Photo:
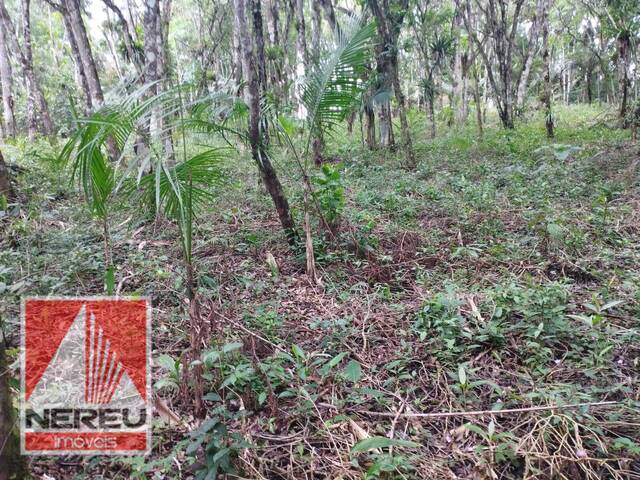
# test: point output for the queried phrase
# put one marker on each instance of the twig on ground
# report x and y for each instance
(480, 412)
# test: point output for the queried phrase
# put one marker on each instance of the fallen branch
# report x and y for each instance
(481, 412)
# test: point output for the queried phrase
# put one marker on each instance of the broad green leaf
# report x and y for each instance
(212, 397)
(166, 362)
(352, 372)
(381, 442)
(462, 375)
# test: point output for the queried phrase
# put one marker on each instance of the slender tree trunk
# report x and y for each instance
(132, 54)
(546, 60)
(5, 182)
(72, 8)
(316, 30)
(370, 117)
(237, 55)
(459, 82)
(12, 464)
(407, 143)
(162, 42)
(256, 15)
(6, 77)
(624, 45)
(80, 71)
(273, 20)
(276, 66)
(530, 54)
(151, 25)
(330, 14)
(302, 55)
(477, 98)
(386, 126)
(37, 109)
(258, 148)
(389, 18)
(432, 115)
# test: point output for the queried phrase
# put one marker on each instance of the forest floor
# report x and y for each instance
(500, 274)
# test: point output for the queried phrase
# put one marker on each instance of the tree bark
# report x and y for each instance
(6, 77)
(75, 52)
(477, 98)
(316, 30)
(389, 18)
(460, 81)
(5, 183)
(256, 15)
(129, 43)
(72, 9)
(12, 465)
(330, 14)
(501, 28)
(624, 46)
(38, 117)
(546, 60)
(432, 115)
(302, 55)
(530, 53)
(370, 117)
(258, 147)
(273, 23)
(237, 55)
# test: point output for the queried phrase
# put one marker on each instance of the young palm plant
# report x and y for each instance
(337, 80)
(152, 177)
(329, 93)
(147, 174)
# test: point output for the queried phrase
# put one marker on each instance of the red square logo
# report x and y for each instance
(85, 376)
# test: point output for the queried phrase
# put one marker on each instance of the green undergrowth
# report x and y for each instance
(501, 273)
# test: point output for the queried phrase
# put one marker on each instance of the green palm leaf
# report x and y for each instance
(330, 88)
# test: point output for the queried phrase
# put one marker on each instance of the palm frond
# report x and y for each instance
(330, 87)
(192, 178)
(125, 123)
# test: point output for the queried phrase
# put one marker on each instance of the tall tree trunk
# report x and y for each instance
(77, 59)
(546, 60)
(72, 9)
(389, 19)
(258, 147)
(624, 46)
(407, 143)
(501, 27)
(385, 124)
(460, 73)
(256, 15)
(588, 79)
(273, 22)
(370, 117)
(330, 14)
(129, 43)
(237, 55)
(43, 117)
(5, 182)
(162, 40)
(316, 30)
(151, 26)
(12, 464)
(6, 77)
(529, 55)
(477, 98)
(432, 115)
(302, 55)
(276, 65)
